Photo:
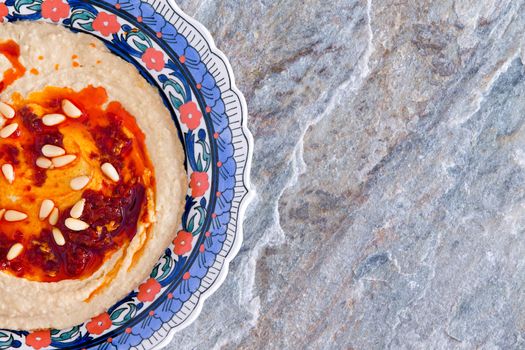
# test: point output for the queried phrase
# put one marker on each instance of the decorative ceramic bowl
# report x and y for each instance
(177, 55)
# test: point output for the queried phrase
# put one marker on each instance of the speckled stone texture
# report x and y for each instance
(389, 167)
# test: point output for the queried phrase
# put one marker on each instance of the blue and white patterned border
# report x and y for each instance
(219, 66)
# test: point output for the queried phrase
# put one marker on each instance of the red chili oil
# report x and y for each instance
(11, 51)
(113, 210)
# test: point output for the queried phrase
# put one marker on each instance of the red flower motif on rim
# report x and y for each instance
(199, 184)
(39, 339)
(4, 11)
(55, 10)
(106, 24)
(149, 290)
(182, 242)
(154, 59)
(99, 324)
(190, 115)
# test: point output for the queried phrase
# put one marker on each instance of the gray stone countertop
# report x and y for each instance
(389, 167)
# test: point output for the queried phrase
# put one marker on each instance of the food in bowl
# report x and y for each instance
(92, 177)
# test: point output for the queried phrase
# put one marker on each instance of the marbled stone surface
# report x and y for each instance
(389, 167)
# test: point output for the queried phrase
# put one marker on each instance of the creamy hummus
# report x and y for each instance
(58, 62)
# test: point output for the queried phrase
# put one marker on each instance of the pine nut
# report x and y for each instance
(53, 218)
(70, 109)
(61, 161)
(14, 215)
(15, 251)
(79, 182)
(52, 151)
(76, 224)
(77, 209)
(44, 163)
(109, 170)
(8, 130)
(9, 172)
(46, 208)
(53, 119)
(6, 110)
(58, 237)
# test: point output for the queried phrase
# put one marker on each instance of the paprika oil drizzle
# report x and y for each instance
(112, 209)
(11, 51)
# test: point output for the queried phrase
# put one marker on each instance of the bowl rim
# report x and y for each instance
(250, 191)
